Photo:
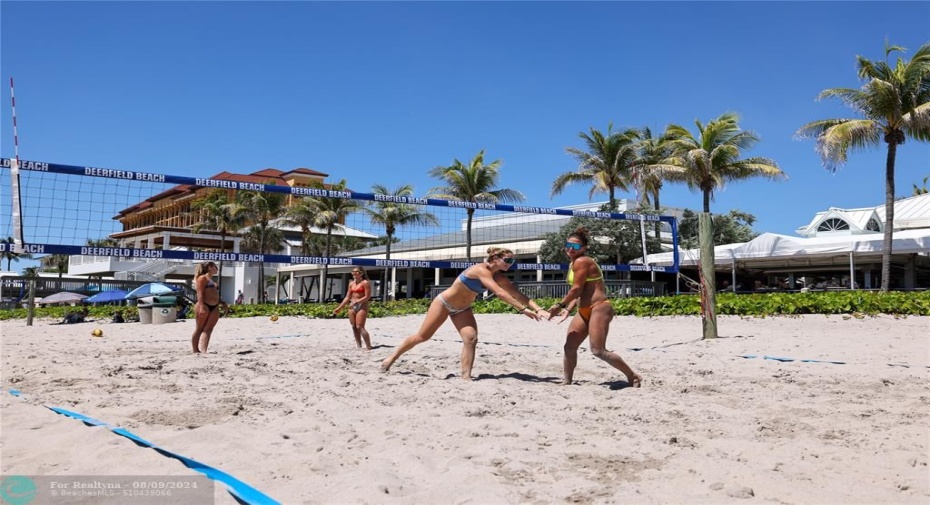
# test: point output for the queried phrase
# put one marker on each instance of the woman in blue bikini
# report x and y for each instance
(455, 303)
(207, 309)
(594, 310)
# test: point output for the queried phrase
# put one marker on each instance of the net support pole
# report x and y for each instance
(708, 285)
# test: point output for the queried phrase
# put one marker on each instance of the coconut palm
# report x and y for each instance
(474, 182)
(606, 163)
(327, 213)
(895, 105)
(262, 208)
(302, 213)
(711, 158)
(219, 213)
(651, 152)
(56, 262)
(390, 214)
(11, 256)
(922, 190)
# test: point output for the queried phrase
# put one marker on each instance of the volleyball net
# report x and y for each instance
(288, 218)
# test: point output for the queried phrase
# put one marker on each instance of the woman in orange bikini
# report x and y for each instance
(594, 310)
(357, 298)
(207, 309)
(455, 303)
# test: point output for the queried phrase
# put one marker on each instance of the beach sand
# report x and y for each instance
(293, 409)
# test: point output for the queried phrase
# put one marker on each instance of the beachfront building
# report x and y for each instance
(838, 249)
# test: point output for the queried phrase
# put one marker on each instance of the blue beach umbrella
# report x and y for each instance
(152, 289)
(113, 295)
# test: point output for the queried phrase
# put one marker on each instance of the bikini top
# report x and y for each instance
(472, 284)
(357, 289)
(210, 283)
(571, 275)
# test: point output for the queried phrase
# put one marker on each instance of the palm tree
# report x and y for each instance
(302, 213)
(652, 150)
(261, 208)
(710, 159)
(895, 105)
(474, 182)
(922, 190)
(219, 213)
(58, 262)
(327, 213)
(392, 214)
(257, 239)
(11, 256)
(606, 164)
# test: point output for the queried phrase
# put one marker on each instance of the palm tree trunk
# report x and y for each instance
(658, 223)
(387, 256)
(219, 282)
(889, 215)
(707, 201)
(324, 280)
(470, 212)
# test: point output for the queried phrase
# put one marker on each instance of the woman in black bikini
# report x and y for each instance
(455, 303)
(207, 309)
(357, 298)
(594, 310)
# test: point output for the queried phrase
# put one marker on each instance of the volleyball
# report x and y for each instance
(97, 332)
(274, 317)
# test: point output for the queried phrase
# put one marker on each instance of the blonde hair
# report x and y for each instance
(497, 252)
(361, 271)
(203, 269)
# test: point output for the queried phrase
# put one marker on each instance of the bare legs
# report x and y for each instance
(206, 320)
(597, 328)
(436, 315)
(357, 319)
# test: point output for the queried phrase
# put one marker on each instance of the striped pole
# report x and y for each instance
(14, 182)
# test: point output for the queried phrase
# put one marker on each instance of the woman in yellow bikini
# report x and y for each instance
(594, 310)
(455, 303)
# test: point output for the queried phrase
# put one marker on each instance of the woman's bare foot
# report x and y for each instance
(386, 365)
(635, 380)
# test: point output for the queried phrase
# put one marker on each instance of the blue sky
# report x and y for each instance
(381, 92)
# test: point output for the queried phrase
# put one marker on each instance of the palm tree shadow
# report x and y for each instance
(519, 376)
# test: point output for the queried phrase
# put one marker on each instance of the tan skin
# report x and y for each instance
(459, 296)
(588, 294)
(206, 319)
(357, 299)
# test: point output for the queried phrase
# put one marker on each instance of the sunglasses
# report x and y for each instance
(573, 245)
(510, 261)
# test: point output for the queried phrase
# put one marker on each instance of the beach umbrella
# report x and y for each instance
(63, 297)
(113, 295)
(152, 289)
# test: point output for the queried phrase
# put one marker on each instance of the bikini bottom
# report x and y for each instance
(452, 310)
(585, 312)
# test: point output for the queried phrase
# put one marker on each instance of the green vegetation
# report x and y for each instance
(852, 303)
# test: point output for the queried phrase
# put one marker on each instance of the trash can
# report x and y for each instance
(145, 313)
(164, 314)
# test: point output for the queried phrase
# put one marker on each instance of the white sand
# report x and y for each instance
(292, 408)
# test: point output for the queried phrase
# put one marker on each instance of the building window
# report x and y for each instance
(833, 224)
(873, 225)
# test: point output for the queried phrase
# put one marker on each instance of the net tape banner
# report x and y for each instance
(143, 177)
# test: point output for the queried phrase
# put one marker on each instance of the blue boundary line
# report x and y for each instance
(241, 491)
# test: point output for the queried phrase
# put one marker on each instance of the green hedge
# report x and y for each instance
(915, 303)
